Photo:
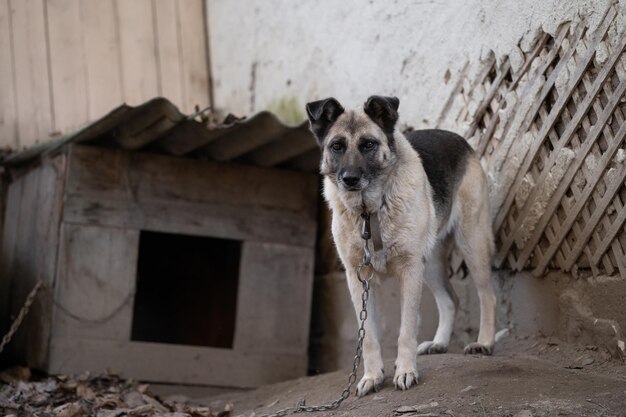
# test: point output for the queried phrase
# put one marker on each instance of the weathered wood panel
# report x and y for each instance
(29, 254)
(173, 363)
(8, 115)
(275, 282)
(23, 274)
(95, 282)
(221, 221)
(34, 110)
(169, 52)
(194, 53)
(103, 57)
(151, 192)
(137, 43)
(64, 63)
(68, 67)
(9, 243)
(117, 175)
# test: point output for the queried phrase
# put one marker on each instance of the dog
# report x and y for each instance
(428, 190)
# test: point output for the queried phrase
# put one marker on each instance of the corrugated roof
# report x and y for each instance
(158, 126)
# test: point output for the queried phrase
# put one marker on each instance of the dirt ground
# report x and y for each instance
(540, 377)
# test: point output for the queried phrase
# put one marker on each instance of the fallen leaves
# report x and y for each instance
(92, 395)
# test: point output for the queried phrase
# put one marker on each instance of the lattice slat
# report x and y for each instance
(545, 131)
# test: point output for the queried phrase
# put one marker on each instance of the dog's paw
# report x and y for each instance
(369, 383)
(430, 348)
(405, 379)
(478, 349)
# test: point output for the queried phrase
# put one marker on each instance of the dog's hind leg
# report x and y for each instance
(373, 374)
(436, 277)
(479, 267)
(474, 238)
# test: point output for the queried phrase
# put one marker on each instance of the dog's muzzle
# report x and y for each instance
(352, 180)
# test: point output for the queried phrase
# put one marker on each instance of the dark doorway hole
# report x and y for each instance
(186, 290)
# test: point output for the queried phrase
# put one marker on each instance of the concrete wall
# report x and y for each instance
(280, 54)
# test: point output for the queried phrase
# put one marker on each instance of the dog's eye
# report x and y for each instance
(337, 146)
(369, 145)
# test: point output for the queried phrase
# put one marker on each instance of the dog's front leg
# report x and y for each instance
(411, 291)
(372, 360)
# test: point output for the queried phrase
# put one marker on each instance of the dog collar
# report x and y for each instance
(371, 229)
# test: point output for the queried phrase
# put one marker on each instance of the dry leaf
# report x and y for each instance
(69, 410)
(85, 393)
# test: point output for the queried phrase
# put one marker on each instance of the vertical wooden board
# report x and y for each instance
(274, 298)
(8, 128)
(193, 43)
(95, 282)
(102, 55)
(47, 222)
(9, 242)
(137, 43)
(168, 51)
(29, 343)
(32, 87)
(67, 64)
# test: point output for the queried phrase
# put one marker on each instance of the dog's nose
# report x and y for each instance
(350, 178)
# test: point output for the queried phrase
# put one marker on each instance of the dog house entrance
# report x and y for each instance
(186, 290)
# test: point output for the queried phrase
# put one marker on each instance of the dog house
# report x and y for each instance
(169, 251)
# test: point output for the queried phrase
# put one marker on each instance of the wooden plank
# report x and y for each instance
(193, 50)
(102, 57)
(275, 282)
(47, 222)
(8, 115)
(169, 56)
(9, 244)
(117, 175)
(28, 344)
(137, 46)
(205, 219)
(29, 254)
(95, 282)
(32, 88)
(173, 363)
(67, 64)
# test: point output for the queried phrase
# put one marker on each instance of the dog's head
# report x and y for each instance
(357, 146)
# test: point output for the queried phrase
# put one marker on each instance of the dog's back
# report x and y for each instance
(444, 156)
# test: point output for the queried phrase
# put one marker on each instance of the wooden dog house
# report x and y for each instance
(167, 253)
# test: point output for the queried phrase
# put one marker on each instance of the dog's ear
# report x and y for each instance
(322, 114)
(383, 111)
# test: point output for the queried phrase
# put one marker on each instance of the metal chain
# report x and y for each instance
(20, 316)
(301, 406)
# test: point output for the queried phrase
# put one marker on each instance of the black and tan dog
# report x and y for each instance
(428, 190)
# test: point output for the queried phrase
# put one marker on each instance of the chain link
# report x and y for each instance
(301, 406)
(20, 316)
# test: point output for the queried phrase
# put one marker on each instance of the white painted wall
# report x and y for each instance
(263, 52)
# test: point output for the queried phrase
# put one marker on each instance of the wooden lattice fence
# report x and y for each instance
(550, 126)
